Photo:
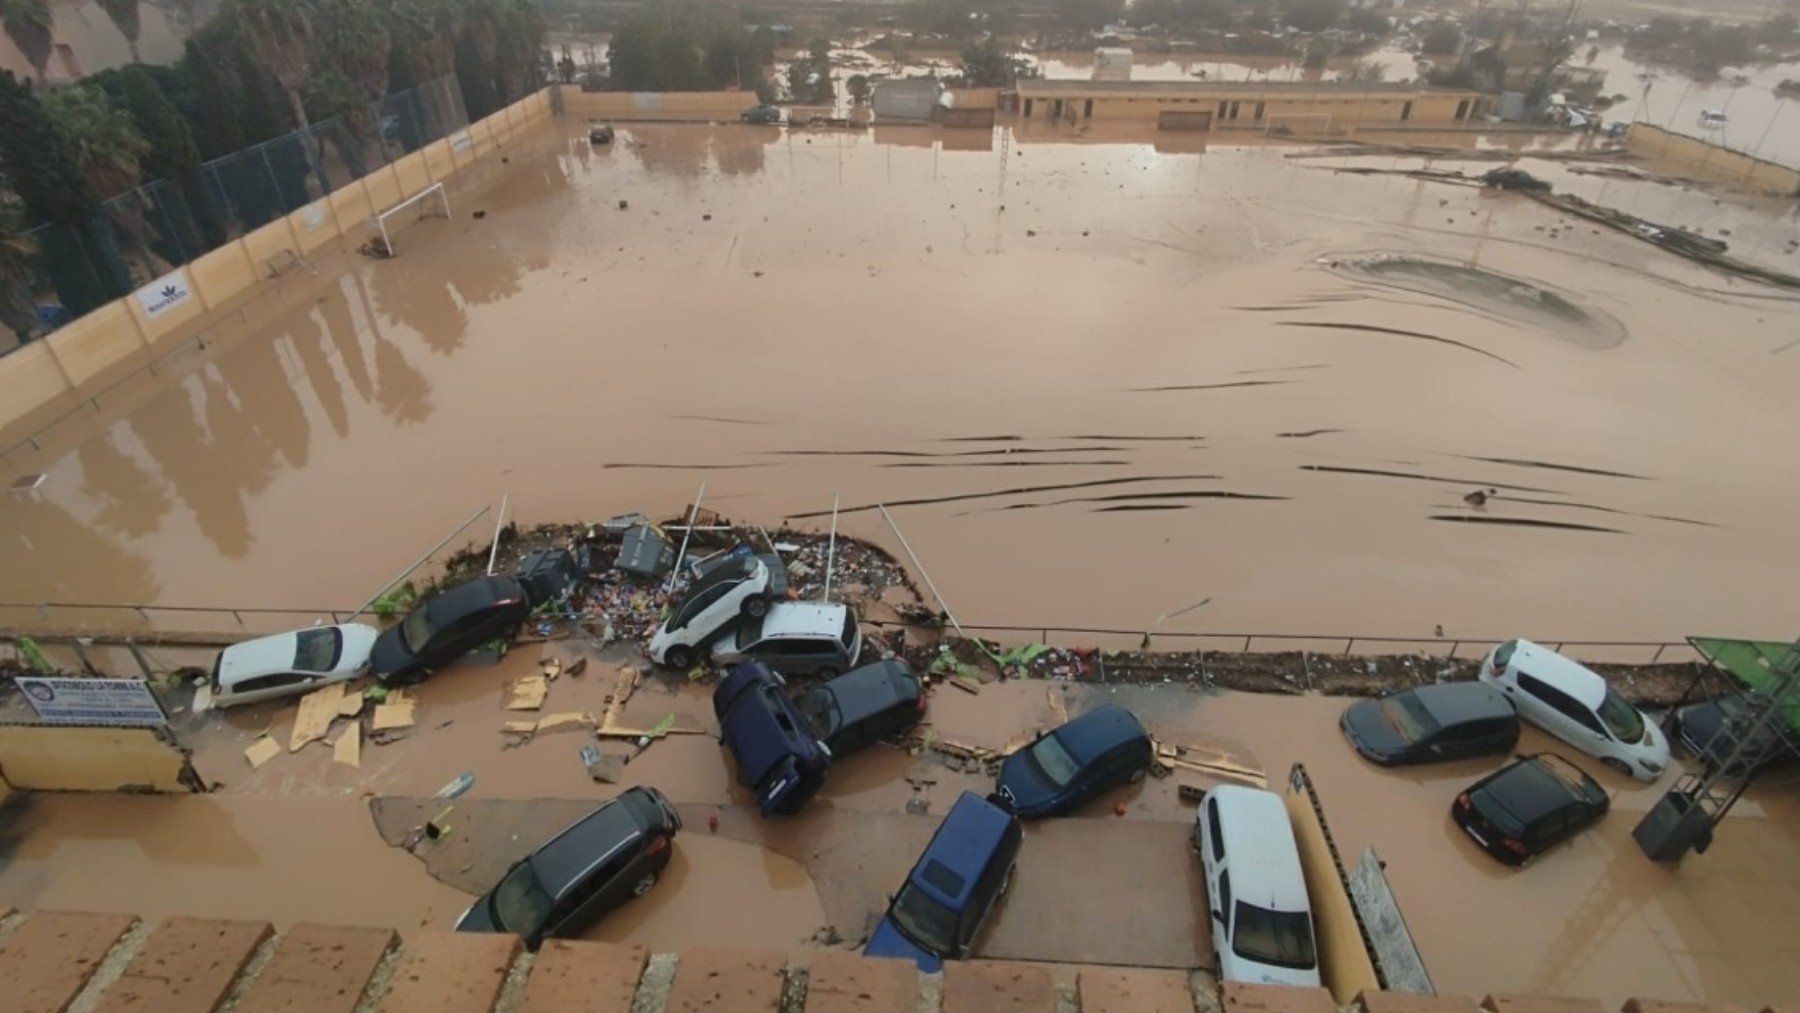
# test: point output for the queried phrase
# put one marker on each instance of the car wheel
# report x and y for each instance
(643, 886)
(1617, 764)
(1138, 774)
(679, 657)
(756, 606)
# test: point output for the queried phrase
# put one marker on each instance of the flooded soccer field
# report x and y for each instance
(1096, 380)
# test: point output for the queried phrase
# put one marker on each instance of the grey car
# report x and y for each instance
(1430, 724)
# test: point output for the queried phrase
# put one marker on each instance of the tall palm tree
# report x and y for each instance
(108, 147)
(17, 311)
(355, 41)
(124, 15)
(281, 34)
(32, 28)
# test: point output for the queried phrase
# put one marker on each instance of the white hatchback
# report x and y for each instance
(1573, 703)
(739, 588)
(287, 664)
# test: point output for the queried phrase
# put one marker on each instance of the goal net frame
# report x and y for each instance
(421, 202)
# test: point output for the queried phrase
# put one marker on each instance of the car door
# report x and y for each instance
(1584, 730)
(264, 687)
(458, 638)
(1545, 706)
(1212, 864)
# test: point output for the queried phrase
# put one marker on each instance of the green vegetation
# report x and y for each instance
(986, 64)
(682, 45)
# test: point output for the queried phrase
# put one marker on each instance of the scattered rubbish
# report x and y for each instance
(604, 767)
(313, 720)
(646, 551)
(347, 749)
(576, 667)
(519, 727)
(376, 693)
(918, 805)
(455, 788)
(262, 751)
(438, 827)
(966, 684)
(1119, 808)
(564, 719)
(661, 728)
(397, 713)
(478, 214)
(624, 204)
(1190, 792)
(350, 705)
(526, 693)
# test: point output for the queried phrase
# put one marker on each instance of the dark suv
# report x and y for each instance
(447, 626)
(605, 859)
(864, 706)
(778, 757)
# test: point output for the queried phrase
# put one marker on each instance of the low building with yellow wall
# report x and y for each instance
(1299, 107)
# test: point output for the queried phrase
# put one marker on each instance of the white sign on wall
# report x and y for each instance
(165, 293)
(119, 702)
(461, 141)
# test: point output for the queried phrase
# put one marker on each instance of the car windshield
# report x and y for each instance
(416, 630)
(1058, 766)
(520, 904)
(926, 922)
(1621, 718)
(318, 650)
(1282, 938)
(821, 712)
(1407, 716)
(750, 631)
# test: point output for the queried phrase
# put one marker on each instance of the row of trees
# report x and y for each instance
(255, 71)
(683, 45)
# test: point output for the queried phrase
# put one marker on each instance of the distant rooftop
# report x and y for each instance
(1036, 87)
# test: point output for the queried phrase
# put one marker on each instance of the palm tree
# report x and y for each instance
(280, 33)
(124, 15)
(108, 147)
(32, 28)
(17, 312)
(352, 37)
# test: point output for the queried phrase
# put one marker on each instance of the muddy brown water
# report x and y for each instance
(1118, 312)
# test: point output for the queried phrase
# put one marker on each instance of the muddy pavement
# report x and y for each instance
(1096, 381)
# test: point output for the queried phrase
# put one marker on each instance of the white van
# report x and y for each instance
(1262, 924)
(1573, 703)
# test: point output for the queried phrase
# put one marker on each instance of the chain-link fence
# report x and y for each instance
(145, 233)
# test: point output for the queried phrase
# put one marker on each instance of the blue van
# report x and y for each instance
(778, 755)
(939, 911)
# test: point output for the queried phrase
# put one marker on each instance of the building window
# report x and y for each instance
(1462, 110)
(1406, 112)
(1259, 110)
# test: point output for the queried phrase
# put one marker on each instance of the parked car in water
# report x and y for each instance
(447, 626)
(761, 114)
(796, 638)
(1073, 763)
(712, 606)
(949, 894)
(1711, 731)
(778, 756)
(289, 663)
(1575, 704)
(1429, 724)
(1528, 807)
(864, 706)
(606, 858)
(1262, 925)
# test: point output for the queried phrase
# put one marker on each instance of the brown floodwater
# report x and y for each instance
(1097, 381)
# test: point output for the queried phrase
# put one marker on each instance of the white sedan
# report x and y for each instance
(287, 664)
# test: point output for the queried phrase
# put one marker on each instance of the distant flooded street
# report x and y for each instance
(1096, 380)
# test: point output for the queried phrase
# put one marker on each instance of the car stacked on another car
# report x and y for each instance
(1528, 806)
(288, 663)
(1576, 705)
(717, 602)
(1429, 724)
(947, 897)
(606, 858)
(1073, 763)
(448, 625)
(778, 755)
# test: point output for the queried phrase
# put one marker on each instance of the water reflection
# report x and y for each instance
(401, 392)
(131, 502)
(57, 557)
(418, 298)
(307, 341)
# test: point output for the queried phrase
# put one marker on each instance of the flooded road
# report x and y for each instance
(1096, 382)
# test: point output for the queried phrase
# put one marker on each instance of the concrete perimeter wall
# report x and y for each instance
(66, 758)
(630, 105)
(1711, 161)
(120, 338)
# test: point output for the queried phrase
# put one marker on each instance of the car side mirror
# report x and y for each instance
(1220, 915)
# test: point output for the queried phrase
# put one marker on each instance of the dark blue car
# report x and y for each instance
(778, 756)
(939, 911)
(1067, 766)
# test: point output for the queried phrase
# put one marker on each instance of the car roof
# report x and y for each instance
(804, 619)
(1572, 677)
(867, 690)
(564, 858)
(763, 727)
(971, 830)
(1533, 787)
(1451, 703)
(1259, 836)
(474, 594)
(1097, 731)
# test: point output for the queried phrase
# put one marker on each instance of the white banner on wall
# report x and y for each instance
(121, 702)
(461, 141)
(165, 293)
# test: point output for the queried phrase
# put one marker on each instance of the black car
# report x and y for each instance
(762, 114)
(606, 858)
(1069, 765)
(1712, 729)
(778, 756)
(447, 626)
(864, 705)
(1528, 806)
(1427, 724)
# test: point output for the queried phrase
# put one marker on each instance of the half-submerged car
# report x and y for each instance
(290, 663)
(778, 756)
(1573, 703)
(762, 114)
(447, 626)
(1430, 724)
(864, 706)
(1528, 807)
(1073, 763)
(601, 861)
(947, 897)
(1713, 730)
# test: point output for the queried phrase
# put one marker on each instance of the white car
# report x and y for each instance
(1262, 926)
(712, 606)
(1573, 703)
(287, 664)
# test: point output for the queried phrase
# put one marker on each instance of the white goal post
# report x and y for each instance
(419, 205)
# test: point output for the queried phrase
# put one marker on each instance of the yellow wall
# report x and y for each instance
(30, 377)
(615, 105)
(1343, 110)
(411, 174)
(54, 758)
(89, 346)
(1697, 157)
(225, 274)
(315, 225)
(438, 160)
(1344, 962)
